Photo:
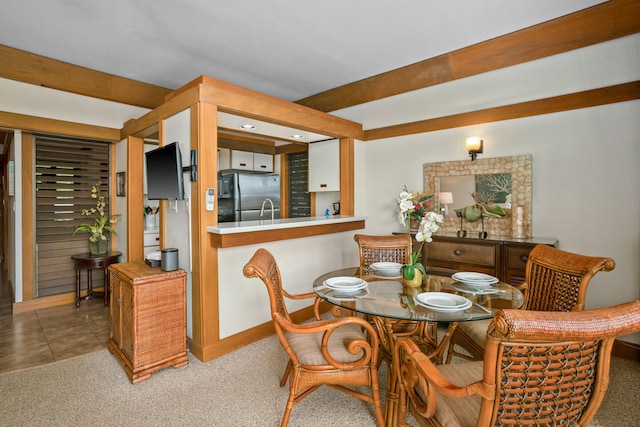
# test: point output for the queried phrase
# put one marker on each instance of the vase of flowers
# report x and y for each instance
(412, 208)
(98, 243)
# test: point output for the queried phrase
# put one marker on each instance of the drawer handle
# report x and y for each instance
(457, 252)
(118, 302)
(524, 258)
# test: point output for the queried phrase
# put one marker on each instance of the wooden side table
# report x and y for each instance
(89, 262)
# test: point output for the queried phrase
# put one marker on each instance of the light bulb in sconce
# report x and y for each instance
(445, 198)
(474, 146)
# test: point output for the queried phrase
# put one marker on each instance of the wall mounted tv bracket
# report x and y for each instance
(194, 166)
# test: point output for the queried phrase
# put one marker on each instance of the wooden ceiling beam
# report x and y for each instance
(589, 98)
(58, 127)
(38, 70)
(597, 24)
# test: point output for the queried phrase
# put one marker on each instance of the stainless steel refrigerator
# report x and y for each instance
(241, 196)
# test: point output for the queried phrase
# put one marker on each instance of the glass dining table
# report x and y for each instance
(387, 300)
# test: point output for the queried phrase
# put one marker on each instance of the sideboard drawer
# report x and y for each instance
(516, 257)
(462, 252)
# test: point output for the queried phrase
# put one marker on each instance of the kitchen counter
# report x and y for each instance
(267, 224)
(230, 234)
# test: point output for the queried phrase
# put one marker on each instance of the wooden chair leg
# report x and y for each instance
(287, 372)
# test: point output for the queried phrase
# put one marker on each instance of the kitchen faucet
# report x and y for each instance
(262, 208)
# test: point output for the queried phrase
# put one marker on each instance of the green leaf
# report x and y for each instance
(420, 267)
(409, 272)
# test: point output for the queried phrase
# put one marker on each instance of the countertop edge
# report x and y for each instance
(253, 226)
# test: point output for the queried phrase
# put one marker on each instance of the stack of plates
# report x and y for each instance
(475, 279)
(345, 285)
(442, 301)
(386, 269)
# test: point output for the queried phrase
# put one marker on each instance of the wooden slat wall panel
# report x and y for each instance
(65, 172)
(299, 197)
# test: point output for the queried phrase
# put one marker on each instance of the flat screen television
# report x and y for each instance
(164, 173)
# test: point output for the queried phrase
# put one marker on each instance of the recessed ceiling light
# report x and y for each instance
(297, 136)
(248, 126)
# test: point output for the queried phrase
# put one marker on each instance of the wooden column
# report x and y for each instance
(204, 279)
(346, 176)
(134, 189)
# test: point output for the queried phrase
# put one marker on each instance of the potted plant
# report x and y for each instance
(412, 207)
(98, 243)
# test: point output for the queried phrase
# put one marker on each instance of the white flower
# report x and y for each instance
(405, 206)
(428, 226)
(406, 195)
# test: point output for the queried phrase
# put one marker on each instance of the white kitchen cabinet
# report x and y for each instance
(324, 166)
(241, 160)
(262, 162)
(244, 160)
(151, 241)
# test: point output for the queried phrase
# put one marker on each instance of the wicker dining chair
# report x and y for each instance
(341, 353)
(372, 249)
(555, 280)
(393, 248)
(540, 368)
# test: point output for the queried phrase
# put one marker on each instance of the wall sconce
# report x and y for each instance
(446, 198)
(474, 146)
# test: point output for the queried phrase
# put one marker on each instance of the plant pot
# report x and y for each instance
(416, 282)
(99, 248)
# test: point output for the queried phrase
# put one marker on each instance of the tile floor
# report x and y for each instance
(50, 334)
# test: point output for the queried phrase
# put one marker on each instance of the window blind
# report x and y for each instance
(65, 169)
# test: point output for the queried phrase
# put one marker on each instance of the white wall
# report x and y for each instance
(244, 303)
(177, 223)
(586, 182)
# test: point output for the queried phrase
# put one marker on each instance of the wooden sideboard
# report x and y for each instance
(504, 258)
(148, 318)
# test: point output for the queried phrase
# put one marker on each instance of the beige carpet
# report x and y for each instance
(239, 389)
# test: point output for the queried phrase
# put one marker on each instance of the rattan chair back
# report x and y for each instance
(539, 368)
(341, 353)
(263, 266)
(557, 280)
(392, 248)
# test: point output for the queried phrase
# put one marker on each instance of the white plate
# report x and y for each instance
(348, 296)
(475, 279)
(385, 275)
(393, 266)
(387, 270)
(471, 289)
(345, 284)
(442, 301)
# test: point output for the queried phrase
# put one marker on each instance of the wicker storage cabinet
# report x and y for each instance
(148, 318)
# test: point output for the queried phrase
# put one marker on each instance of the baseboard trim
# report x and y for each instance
(241, 339)
(48, 302)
